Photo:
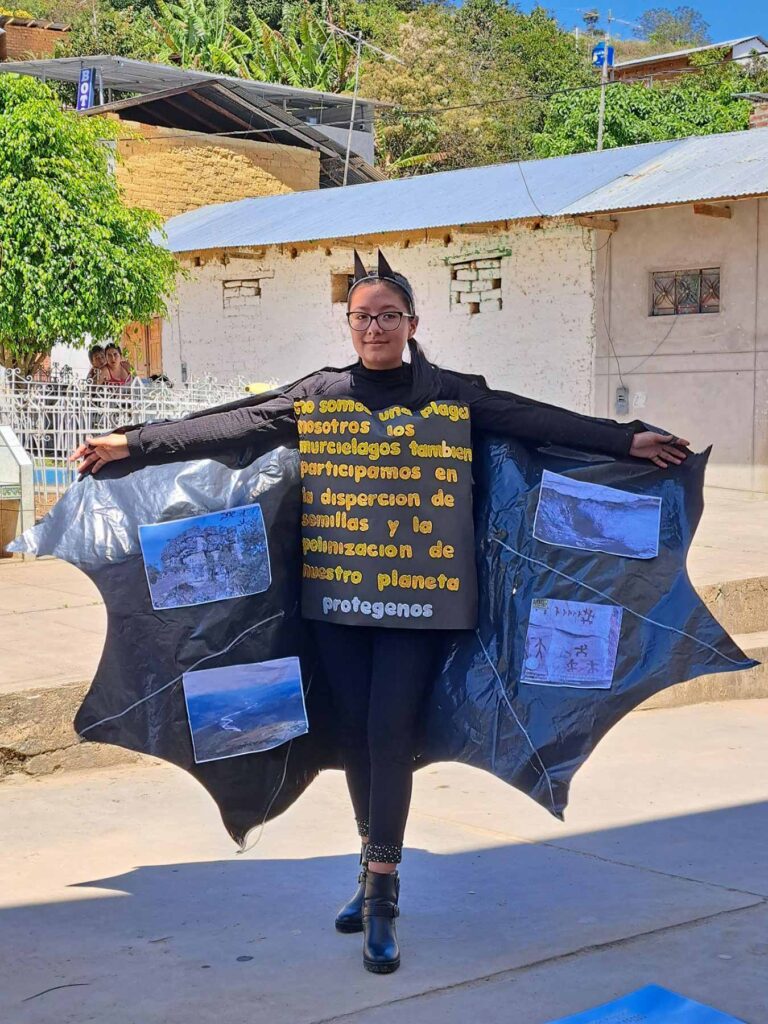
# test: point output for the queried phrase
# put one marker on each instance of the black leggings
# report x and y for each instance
(379, 680)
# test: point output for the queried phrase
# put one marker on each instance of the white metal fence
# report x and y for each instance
(52, 417)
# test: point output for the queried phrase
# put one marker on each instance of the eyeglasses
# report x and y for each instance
(386, 321)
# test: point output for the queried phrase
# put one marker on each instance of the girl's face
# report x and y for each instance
(98, 360)
(113, 358)
(379, 348)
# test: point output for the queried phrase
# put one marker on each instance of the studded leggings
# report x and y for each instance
(379, 679)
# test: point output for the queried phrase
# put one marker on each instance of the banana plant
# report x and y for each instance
(307, 54)
(198, 35)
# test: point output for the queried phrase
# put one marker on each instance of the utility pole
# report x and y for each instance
(607, 63)
(354, 105)
(359, 44)
(603, 84)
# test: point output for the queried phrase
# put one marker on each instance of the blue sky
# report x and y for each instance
(726, 20)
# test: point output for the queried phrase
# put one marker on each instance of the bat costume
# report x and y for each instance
(384, 698)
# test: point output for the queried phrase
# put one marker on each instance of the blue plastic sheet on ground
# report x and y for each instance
(650, 1005)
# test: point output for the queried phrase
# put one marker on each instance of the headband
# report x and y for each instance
(384, 274)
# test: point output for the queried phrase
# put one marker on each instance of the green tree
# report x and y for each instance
(75, 263)
(472, 85)
(700, 103)
(101, 26)
(268, 11)
(306, 53)
(198, 34)
(673, 28)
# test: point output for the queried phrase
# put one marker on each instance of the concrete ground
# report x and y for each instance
(52, 624)
(731, 542)
(123, 900)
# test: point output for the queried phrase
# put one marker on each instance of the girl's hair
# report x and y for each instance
(114, 346)
(94, 349)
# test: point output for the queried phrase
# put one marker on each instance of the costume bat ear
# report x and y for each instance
(384, 268)
(360, 271)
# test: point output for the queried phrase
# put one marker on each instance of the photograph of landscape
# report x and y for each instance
(576, 514)
(212, 557)
(244, 709)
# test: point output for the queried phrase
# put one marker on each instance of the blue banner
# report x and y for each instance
(85, 88)
(599, 56)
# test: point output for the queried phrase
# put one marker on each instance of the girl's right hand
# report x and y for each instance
(98, 451)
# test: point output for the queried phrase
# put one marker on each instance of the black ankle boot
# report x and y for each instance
(381, 953)
(350, 918)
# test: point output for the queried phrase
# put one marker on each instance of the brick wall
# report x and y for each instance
(759, 116)
(170, 171)
(476, 286)
(22, 42)
(657, 70)
(241, 295)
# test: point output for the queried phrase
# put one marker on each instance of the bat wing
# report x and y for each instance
(535, 737)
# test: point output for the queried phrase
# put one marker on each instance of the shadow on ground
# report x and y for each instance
(252, 939)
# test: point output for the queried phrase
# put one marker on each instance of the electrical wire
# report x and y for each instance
(536, 206)
(608, 331)
(602, 307)
(588, 248)
(654, 351)
(517, 98)
(570, 89)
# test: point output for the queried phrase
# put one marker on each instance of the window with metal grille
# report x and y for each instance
(676, 292)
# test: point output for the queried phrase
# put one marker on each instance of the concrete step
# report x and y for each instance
(744, 685)
(741, 606)
(37, 738)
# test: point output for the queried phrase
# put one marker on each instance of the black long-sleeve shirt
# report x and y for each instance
(269, 423)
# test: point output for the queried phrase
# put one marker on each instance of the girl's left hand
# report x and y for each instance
(661, 449)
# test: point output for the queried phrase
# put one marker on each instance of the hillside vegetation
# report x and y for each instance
(476, 84)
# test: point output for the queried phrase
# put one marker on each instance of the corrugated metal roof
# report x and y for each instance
(655, 174)
(124, 74)
(708, 167)
(318, 110)
(730, 43)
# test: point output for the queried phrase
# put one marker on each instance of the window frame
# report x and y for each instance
(337, 285)
(678, 273)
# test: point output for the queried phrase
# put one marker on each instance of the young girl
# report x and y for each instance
(378, 675)
(116, 372)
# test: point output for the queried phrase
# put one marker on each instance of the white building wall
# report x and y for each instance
(541, 343)
(703, 376)
(362, 142)
(74, 358)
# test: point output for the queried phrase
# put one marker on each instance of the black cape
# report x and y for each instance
(533, 737)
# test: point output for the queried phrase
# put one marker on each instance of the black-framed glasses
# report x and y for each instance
(389, 321)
